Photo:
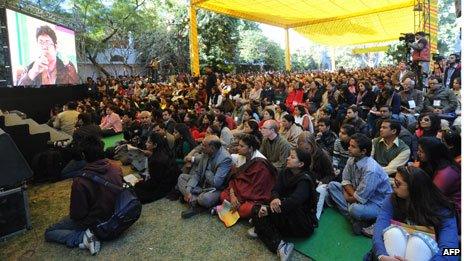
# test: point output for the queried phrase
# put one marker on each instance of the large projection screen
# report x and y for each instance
(41, 53)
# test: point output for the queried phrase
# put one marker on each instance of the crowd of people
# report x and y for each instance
(281, 147)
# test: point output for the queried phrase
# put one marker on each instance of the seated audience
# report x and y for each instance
(436, 161)
(221, 123)
(303, 118)
(440, 100)
(268, 114)
(452, 140)
(168, 121)
(290, 130)
(252, 127)
(84, 128)
(66, 120)
(325, 137)
(412, 102)
(353, 119)
(388, 150)
(291, 213)
(163, 171)
(203, 187)
(340, 154)
(415, 201)
(321, 170)
(90, 202)
(160, 129)
(274, 147)
(252, 177)
(111, 124)
(364, 185)
(184, 141)
(429, 125)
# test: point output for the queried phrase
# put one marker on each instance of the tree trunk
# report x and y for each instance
(97, 65)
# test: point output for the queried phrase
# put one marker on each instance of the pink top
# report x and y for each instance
(448, 180)
(112, 121)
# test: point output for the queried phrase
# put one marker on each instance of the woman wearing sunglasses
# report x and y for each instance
(416, 223)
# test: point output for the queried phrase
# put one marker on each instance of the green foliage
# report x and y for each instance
(218, 40)
(448, 29)
(303, 61)
(397, 52)
(255, 48)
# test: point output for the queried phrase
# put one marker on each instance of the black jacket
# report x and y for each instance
(298, 198)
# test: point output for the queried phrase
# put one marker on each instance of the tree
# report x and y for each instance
(255, 48)
(448, 30)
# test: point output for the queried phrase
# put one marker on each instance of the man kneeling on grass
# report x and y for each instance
(90, 202)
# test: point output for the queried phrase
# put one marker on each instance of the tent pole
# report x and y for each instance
(194, 53)
(332, 58)
(288, 65)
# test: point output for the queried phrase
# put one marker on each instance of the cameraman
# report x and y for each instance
(421, 55)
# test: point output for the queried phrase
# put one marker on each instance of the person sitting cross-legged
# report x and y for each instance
(252, 178)
(416, 201)
(202, 188)
(90, 202)
(364, 185)
(292, 211)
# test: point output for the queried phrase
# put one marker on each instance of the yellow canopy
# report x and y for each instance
(329, 22)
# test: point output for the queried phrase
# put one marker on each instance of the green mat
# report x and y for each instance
(111, 141)
(334, 240)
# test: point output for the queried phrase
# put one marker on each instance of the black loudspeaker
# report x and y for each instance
(14, 214)
(14, 169)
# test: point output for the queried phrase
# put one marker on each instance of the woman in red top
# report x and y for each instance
(294, 97)
(190, 119)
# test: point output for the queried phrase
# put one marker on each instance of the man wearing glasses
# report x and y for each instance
(48, 68)
(440, 100)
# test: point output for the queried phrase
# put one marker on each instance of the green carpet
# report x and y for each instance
(334, 240)
(110, 141)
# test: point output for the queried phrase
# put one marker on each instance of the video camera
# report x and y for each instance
(408, 37)
(437, 58)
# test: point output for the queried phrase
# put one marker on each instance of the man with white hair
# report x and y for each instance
(412, 102)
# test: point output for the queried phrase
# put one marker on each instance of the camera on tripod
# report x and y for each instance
(408, 38)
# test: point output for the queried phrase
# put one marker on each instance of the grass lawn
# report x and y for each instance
(159, 234)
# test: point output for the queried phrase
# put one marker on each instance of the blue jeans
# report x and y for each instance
(357, 211)
(65, 232)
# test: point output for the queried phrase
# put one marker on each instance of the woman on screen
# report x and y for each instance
(48, 68)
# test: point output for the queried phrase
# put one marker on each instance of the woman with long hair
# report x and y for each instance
(252, 127)
(268, 114)
(452, 140)
(429, 125)
(162, 169)
(321, 167)
(436, 161)
(184, 141)
(291, 213)
(427, 212)
(303, 118)
(190, 119)
(226, 135)
(252, 178)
